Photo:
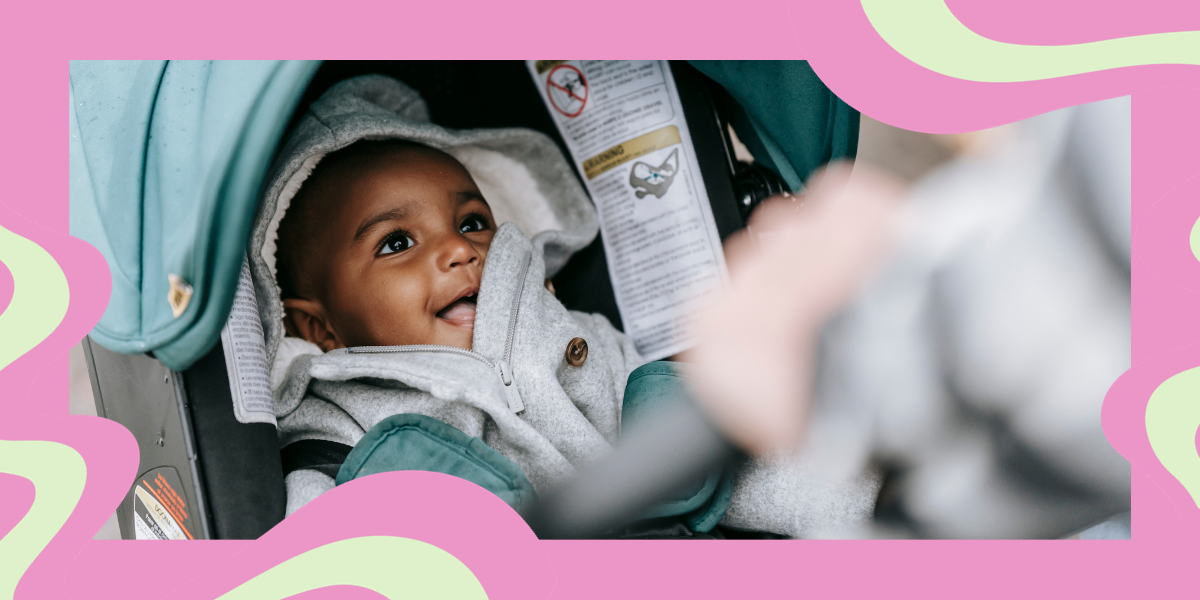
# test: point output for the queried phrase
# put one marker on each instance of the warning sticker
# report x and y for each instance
(624, 126)
(567, 90)
(160, 522)
(246, 356)
(159, 511)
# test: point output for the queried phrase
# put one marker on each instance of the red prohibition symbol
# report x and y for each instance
(567, 89)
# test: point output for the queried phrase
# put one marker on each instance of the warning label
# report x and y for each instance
(623, 122)
(159, 512)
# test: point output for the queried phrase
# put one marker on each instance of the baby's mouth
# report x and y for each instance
(460, 312)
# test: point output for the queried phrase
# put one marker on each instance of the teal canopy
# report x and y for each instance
(168, 158)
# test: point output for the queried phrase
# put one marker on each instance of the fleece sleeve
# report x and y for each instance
(303, 486)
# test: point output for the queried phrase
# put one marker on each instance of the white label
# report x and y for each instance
(142, 531)
(623, 123)
(246, 356)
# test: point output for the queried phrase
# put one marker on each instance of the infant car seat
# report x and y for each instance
(167, 165)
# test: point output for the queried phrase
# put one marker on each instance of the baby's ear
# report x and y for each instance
(305, 319)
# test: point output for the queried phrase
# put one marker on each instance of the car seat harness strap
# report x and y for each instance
(323, 456)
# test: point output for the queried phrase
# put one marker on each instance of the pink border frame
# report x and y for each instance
(846, 52)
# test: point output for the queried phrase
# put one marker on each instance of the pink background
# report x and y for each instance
(479, 529)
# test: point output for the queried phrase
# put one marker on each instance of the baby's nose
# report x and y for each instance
(459, 252)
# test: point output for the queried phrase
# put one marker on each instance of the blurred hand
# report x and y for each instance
(794, 266)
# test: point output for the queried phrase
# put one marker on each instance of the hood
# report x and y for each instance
(521, 173)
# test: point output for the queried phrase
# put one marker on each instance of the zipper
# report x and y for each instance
(422, 348)
(516, 306)
(506, 375)
(502, 368)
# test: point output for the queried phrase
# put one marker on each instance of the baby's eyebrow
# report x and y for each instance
(464, 197)
(367, 225)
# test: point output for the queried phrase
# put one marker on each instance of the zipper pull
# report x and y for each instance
(510, 387)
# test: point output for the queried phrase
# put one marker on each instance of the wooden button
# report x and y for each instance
(576, 352)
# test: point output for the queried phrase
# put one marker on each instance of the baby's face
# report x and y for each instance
(404, 252)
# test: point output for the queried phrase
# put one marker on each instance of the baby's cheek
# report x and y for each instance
(380, 317)
(403, 326)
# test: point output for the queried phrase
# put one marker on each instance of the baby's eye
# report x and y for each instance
(473, 223)
(397, 242)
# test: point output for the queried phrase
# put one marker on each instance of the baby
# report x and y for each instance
(384, 246)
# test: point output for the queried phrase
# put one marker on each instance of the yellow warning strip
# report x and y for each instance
(627, 151)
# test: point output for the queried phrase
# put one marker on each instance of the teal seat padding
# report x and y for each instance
(655, 386)
(412, 442)
(786, 116)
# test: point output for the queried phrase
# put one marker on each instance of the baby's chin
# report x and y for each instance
(457, 334)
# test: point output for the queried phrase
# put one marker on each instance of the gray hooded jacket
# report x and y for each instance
(514, 389)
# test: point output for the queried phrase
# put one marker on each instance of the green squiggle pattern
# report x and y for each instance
(927, 33)
(1172, 416)
(39, 300)
(38, 305)
(395, 567)
(1195, 240)
(58, 473)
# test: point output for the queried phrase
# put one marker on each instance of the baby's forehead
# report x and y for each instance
(401, 179)
(392, 164)
(358, 170)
